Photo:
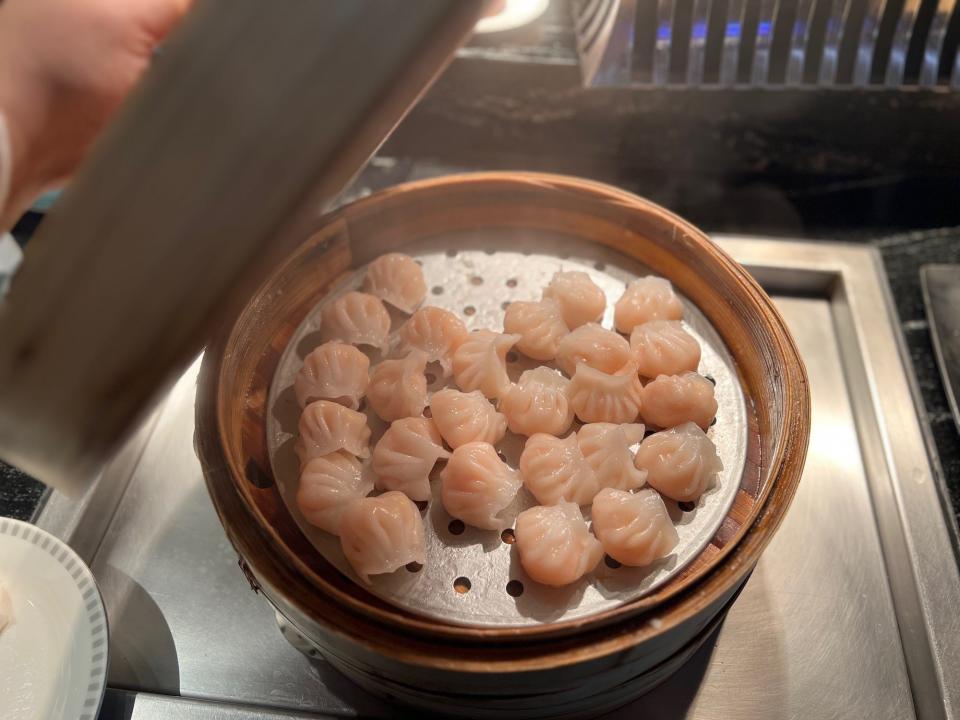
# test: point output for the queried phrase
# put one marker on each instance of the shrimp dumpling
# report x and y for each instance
(597, 396)
(580, 299)
(480, 362)
(436, 332)
(382, 534)
(397, 279)
(540, 326)
(405, 455)
(327, 485)
(554, 470)
(595, 346)
(358, 319)
(663, 347)
(398, 388)
(645, 299)
(466, 417)
(670, 400)
(681, 462)
(606, 447)
(634, 528)
(326, 427)
(538, 402)
(554, 544)
(334, 371)
(477, 486)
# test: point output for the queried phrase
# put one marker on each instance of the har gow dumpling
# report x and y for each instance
(398, 388)
(681, 462)
(554, 470)
(480, 362)
(382, 534)
(670, 400)
(595, 346)
(580, 299)
(554, 544)
(477, 486)
(358, 319)
(663, 347)
(540, 326)
(645, 299)
(397, 279)
(436, 332)
(326, 427)
(597, 396)
(634, 528)
(327, 485)
(466, 417)
(334, 371)
(606, 447)
(538, 403)
(405, 455)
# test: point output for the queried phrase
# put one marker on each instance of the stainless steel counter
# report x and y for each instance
(851, 612)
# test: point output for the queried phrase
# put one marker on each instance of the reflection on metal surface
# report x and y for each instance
(941, 297)
(851, 611)
(732, 31)
(868, 41)
(766, 24)
(799, 39)
(666, 10)
(698, 41)
(897, 63)
(930, 70)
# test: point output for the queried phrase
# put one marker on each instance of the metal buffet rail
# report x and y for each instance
(851, 612)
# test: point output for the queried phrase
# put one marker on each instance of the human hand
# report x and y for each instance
(65, 67)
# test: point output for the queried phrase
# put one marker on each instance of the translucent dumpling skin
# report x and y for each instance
(466, 417)
(327, 485)
(477, 486)
(606, 448)
(554, 470)
(580, 299)
(595, 346)
(398, 388)
(334, 371)
(597, 396)
(437, 333)
(382, 534)
(326, 427)
(397, 279)
(663, 347)
(670, 400)
(634, 528)
(538, 403)
(681, 463)
(405, 455)
(540, 326)
(356, 318)
(554, 544)
(646, 299)
(480, 362)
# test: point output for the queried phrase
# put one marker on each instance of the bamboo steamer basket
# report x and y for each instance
(572, 668)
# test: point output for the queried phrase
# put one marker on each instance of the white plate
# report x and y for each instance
(53, 655)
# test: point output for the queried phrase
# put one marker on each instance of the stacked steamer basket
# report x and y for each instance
(580, 661)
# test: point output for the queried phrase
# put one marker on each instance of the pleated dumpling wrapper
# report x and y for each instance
(554, 544)
(477, 486)
(405, 455)
(645, 299)
(671, 400)
(480, 363)
(595, 346)
(540, 326)
(436, 332)
(597, 396)
(663, 347)
(398, 388)
(580, 299)
(327, 485)
(466, 417)
(681, 462)
(606, 448)
(397, 279)
(382, 534)
(358, 319)
(634, 528)
(554, 470)
(334, 371)
(326, 427)
(539, 402)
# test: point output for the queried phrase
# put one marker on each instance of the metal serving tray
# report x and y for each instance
(851, 612)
